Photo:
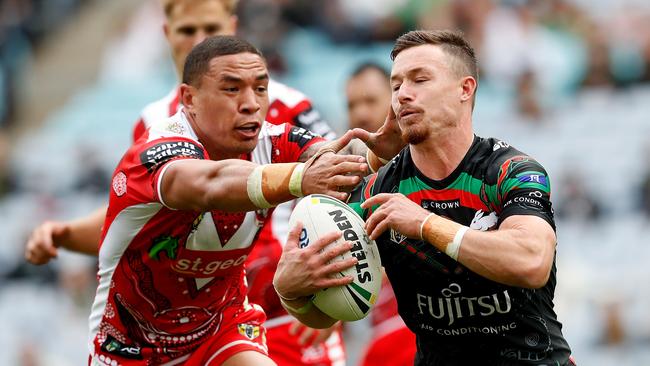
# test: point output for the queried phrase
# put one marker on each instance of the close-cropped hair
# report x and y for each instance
(197, 62)
(452, 42)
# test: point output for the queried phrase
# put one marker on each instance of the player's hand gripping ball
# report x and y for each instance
(320, 215)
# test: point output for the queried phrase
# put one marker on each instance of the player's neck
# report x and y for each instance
(213, 152)
(441, 154)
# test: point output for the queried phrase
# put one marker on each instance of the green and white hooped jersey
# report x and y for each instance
(460, 317)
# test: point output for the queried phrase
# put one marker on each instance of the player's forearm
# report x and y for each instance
(229, 185)
(519, 254)
(85, 233)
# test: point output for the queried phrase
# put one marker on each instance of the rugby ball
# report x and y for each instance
(320, 215)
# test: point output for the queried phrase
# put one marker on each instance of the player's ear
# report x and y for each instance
(187, 96)
(468, 88)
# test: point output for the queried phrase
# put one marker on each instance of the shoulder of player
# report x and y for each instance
(500, 156)
(286, 95)
(169, 132)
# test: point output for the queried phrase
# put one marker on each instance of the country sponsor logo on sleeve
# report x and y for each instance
(534, 178)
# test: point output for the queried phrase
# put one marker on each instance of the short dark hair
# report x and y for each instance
(198, 61)
(370, 65)
(452, 42)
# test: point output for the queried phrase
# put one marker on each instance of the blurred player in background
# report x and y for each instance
(186, 204)
(189, 22)
(464, 224)
(392, 343)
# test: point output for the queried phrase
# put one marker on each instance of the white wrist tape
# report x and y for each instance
(254, 188)
(422, 225)
(295, 182)
(454, 247)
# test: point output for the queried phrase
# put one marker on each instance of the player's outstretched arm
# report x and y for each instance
(302, 272)
(238, 185)
(81, 235)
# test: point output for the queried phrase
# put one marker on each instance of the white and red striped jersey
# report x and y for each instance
(166, 275)
(286, 105)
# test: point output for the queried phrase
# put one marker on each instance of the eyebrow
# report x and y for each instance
(236, 79)
(409, 72)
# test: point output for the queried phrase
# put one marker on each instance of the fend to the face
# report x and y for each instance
(189, 22)
(428, 95)
(228, 106)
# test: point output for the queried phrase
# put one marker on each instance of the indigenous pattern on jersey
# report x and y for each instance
(287, 105)
(166, 276)
(459, 317)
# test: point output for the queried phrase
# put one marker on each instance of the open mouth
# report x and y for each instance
(249, 129)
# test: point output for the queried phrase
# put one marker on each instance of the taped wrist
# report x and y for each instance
(271, 184)
(444, 234)
(374, 162)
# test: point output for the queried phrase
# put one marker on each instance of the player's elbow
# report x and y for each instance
(315, 319)
(535, 273)
(536, 258)
(535, 280)
(318, 322)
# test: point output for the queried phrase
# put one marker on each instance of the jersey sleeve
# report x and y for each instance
(523, 188)
(143, 165)
(306, 116)
(292, 142)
